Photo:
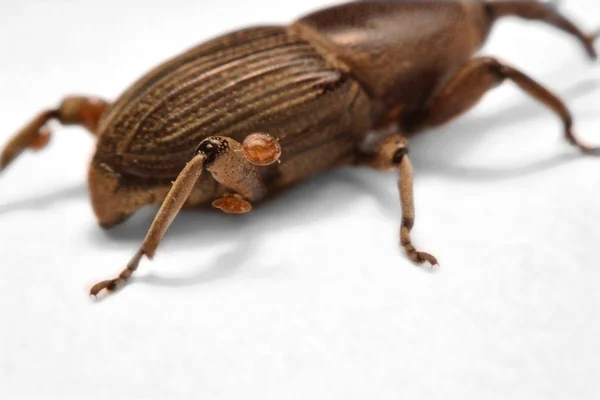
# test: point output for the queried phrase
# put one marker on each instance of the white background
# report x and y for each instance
(309, 296)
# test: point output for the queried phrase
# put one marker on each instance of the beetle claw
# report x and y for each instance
(420, 257)
(99, 287)
(423, 258)
(109, 285)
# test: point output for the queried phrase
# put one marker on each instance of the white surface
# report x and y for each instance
(308, 297)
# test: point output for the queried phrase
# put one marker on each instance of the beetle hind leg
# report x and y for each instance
(544, 12)
(74, 110)
(469, 85)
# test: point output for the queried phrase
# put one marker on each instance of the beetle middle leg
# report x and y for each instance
(469, 85)
(74, 110)
(230, 164)
(393, 153)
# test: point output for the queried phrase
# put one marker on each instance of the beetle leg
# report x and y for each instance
(175, 199)
(539, 11)
(225, 159)
(469, 85)
(393, 153)
(75, 110)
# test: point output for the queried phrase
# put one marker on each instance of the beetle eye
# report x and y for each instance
(206, 147)
(210, 149)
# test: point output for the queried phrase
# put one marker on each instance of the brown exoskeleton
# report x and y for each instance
(263, 108)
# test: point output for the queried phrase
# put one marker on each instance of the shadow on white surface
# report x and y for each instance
(436, 152)
(205, 228)
(47, 200)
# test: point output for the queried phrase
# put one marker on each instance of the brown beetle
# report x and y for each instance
(266, 107)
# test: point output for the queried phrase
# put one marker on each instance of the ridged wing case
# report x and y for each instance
(265, 79)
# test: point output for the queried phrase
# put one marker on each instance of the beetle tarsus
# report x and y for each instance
(99, 287)
(583, 147)
(419, 257)
(113, 285)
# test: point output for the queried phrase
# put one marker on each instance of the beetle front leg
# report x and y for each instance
(232, 164)
(74, 110)
(468, 86)
(393, 153)
(177, 196)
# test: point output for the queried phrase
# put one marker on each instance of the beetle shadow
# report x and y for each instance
(224, 266)
(46, 200)
(436, 151)
(320, 195)
(246, 235)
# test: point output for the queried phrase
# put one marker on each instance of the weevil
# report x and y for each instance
(237, 119)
